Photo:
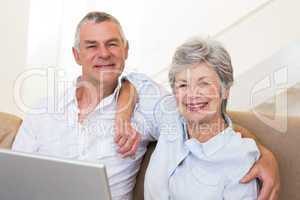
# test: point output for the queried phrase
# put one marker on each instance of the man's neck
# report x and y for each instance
(89, 95)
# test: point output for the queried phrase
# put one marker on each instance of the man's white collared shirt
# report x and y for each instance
(60, 135)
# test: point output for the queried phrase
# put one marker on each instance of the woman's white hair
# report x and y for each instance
(209, 51)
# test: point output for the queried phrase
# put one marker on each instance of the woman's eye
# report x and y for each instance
(204, 84)
(182, 86)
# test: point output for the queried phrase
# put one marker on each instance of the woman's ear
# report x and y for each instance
(225, 93)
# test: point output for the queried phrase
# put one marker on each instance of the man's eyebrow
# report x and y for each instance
(114, 40)
(108, 41)
(90, 42)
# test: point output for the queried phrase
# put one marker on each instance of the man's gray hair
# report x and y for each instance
(198, 51)
(97, 17)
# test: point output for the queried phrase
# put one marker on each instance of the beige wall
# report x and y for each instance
(262, 34)
(255, 39)
(252, 40)
(13, 37)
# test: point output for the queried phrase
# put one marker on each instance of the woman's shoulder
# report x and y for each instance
(239, 154)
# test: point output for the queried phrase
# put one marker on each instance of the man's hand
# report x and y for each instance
(127, 138)
(266, 170)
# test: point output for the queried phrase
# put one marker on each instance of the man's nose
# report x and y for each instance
(103, 52)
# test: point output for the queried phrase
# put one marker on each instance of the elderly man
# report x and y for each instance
(84, 130)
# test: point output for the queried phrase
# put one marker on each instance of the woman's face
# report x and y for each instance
(198, 94)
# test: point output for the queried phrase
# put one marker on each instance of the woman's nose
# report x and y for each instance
(193, 92)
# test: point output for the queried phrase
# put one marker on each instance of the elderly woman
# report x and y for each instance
(209, 159)
(198, 154)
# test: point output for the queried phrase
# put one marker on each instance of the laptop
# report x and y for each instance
(34, 177)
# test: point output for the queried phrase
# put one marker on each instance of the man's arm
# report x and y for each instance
(266, 168)
(136, 88)
(126, 137)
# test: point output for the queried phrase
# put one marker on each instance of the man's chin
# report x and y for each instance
(104, 80)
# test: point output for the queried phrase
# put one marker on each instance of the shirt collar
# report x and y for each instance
(212, 145)
(69, 96)
(182, 146)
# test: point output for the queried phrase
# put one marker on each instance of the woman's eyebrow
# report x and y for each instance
(181, 80)
(202, 78)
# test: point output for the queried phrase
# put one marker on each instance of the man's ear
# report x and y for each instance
(76, 55)
(126, 49)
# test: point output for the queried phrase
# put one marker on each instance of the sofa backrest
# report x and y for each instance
(284, 144)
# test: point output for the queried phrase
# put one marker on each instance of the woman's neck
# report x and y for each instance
(203, 131)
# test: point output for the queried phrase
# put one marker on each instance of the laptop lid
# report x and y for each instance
(34, 177)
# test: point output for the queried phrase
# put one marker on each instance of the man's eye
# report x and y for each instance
(112, 44)
(92, 46)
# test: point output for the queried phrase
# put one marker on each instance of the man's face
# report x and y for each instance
(102, 52)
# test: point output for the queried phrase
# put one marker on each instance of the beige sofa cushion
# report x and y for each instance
(9, 125)
(285, 146)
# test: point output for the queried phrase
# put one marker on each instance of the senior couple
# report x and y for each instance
(199, 155)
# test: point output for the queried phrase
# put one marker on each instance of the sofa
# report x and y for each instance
(283, 144)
